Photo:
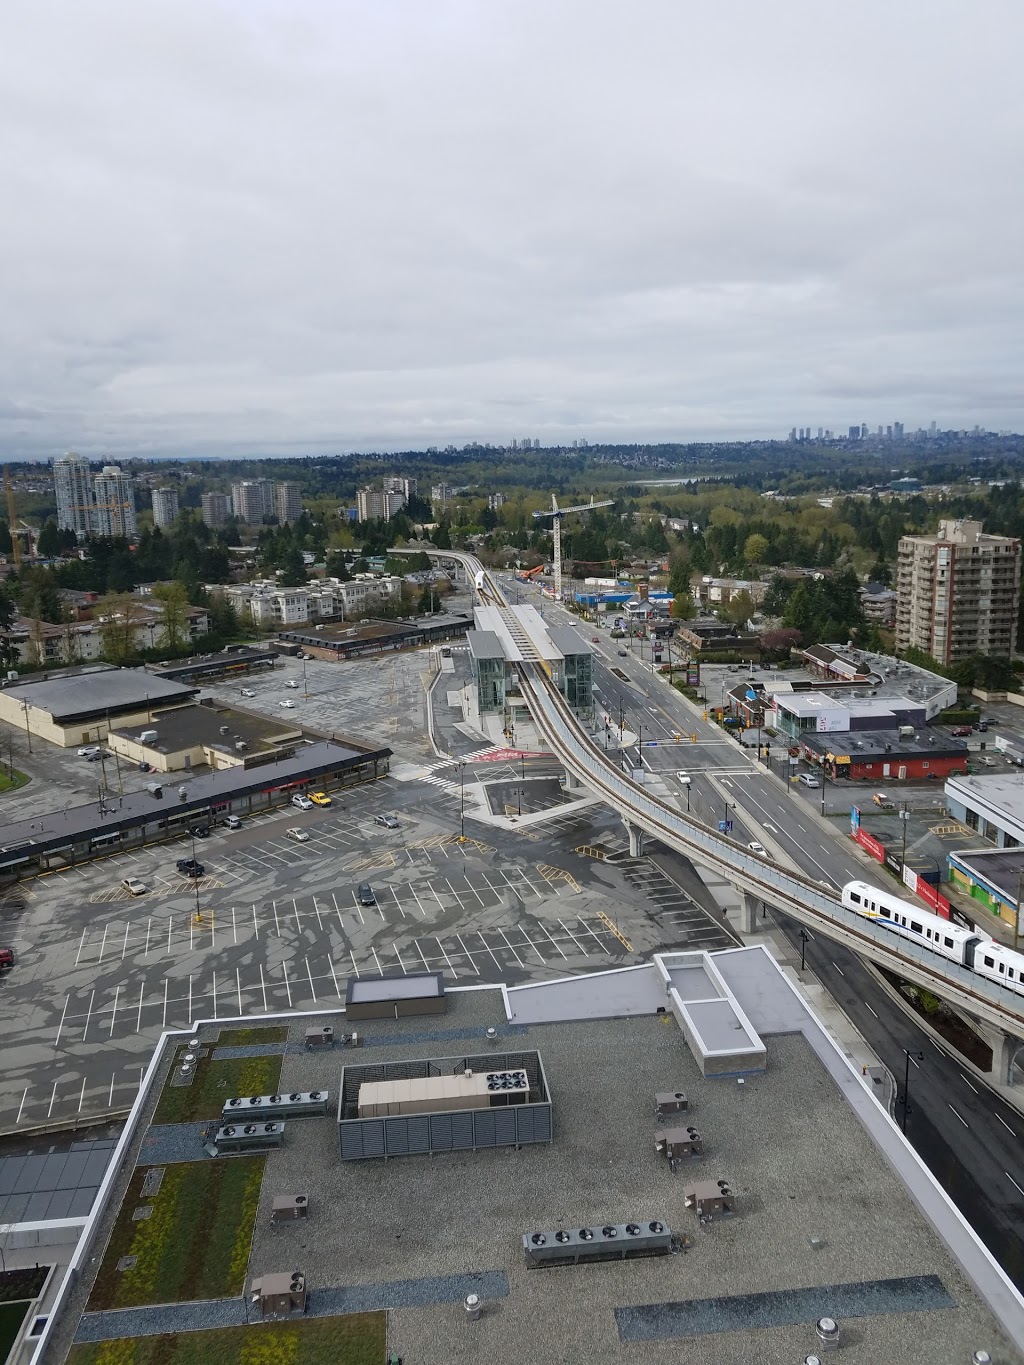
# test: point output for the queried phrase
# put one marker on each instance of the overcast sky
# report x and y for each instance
(236, 226)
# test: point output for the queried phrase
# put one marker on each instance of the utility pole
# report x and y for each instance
(28, 732)
(904, 817)
(910, 1057)
(462, 801)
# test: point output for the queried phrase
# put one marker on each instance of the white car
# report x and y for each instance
(299, 835)
(133, 886)
(759, 849)
(291, 683)
(88, 751)
(288, 705)
(248, 692)
(302, 803)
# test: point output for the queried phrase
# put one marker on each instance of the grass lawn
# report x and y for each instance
(12, 1315)
(356, 1339)
(11, 780)
(196, 1243)
(241, 1037)
(214, 1083)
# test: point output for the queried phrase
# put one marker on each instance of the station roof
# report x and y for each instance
(525, 636)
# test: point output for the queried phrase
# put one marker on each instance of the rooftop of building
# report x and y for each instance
(1000, 791)
(97, 691)
(833, 1213)
(1002, 868)
(524, 634)
(186, 727)
(864, 745)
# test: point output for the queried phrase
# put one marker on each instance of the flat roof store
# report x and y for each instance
(81, 833)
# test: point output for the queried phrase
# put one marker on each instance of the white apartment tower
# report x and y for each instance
(216, 508)
(165, 507)
(958, 592)
(289, 502)
(72, 481)
(372, 504)
(115, 502)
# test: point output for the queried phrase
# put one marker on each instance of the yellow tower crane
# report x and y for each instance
(557, 513)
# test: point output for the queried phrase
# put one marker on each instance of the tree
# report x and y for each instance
(740, 609)
(755, 548)
(442, 538)
(7, 610)
(780, 590)
(683, 607)
(6, 544)
(293, 570)
(880, 573)
(679, 572)
(49, 543)
(337, 567)
(120, 615)
(781, 641)
(428, 602)
(174, 599)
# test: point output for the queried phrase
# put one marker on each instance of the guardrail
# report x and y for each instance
(798, 895)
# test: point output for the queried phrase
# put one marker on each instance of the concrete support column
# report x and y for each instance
(1004, 1051)
(748, 912)
(571, 782)
(636, 840)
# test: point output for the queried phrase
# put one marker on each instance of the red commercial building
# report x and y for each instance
(885, 755)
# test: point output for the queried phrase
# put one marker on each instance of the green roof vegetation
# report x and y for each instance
(243, 1037)
(355, 1339)
(214, 1083)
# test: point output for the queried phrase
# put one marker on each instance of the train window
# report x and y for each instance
(988, 962)
(855, 898)
(948, 942)
(1002, 966)
(915, 926)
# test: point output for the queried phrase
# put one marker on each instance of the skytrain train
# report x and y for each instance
(970, 947)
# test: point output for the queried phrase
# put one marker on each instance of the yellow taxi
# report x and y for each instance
(320, 798)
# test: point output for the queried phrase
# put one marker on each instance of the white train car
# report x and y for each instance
(950, 941)
(1001, 964)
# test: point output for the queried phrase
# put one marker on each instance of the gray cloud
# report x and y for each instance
(281, 226)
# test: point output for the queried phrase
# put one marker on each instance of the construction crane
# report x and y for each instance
(10, 519)
(556, 514)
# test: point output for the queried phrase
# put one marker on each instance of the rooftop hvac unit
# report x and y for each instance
(297, 1105)
(147, 736)
(241, 744)
(287, 1208)
(611, 1242)
(225, 729)
(240, 1137)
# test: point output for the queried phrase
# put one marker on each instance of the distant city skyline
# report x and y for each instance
(247, 230)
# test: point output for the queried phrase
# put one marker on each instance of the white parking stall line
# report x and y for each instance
(21, 1106)
(596, 937)
(149, 926)
(511, 949)
(238, 986)
(355, 965)
(451, 888)
(525, 878)
(53, 1096)
(491, 885)
(113, 1010)
(276, 920)
(446, 958)
(319, 917)
(575, 940)
(468, 955)
(110, 1097)
(529, 943)
(423, 913)
(234, 926)
(103, 943)
(81, 1096)
(88, 1014)
(255, 925)
(426, 964)
(190, 999)
(287, 983)
(298, 922)
(435, 896)
(169, 921)
(334, 977)
(81, 945)
(404, 968)
(475, 892)
(309, 973)
(138, 1017)
(397, 901)
(63, 1013)
(376, 959)
(166, 983)
(263, 988)
(554, 942)
(490, 950)
(215, 995)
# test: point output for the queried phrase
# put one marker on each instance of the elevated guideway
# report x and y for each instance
(803, 898)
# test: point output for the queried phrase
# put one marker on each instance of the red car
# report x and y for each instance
(961, 731)
(6, 959)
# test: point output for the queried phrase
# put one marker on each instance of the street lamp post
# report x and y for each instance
(462, 801)
(805, 938)
(686, 783)
(910, 1056)
(904, 817)
(195, 878)
(824, 783)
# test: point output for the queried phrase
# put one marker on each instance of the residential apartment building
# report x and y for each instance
(958, 592)
(398, 483)
(496, 501)
(165, 506)
(288, 502)
(268, 604)
(93, 504)
(252, 500)
(879, 603)
(441, 494)
(72, 482)
(37, 643)
(373, 504)
(217, 508)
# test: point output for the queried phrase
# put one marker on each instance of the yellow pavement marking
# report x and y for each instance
(613, 929)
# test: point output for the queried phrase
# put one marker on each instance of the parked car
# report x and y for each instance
(6, 959)
(320, 798)
(301, 802)
(388, 821)
(365, 894)
(188, 867)
(299, 835)
(961, 731)
(95, 756)
(880, 799)
(289, 705)
(232, 822)
(981, 725)
(199, 831)
(248, 692)
(291, 683)
(809, 780)
(88, 751)
(133, 886)
(759, 849)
